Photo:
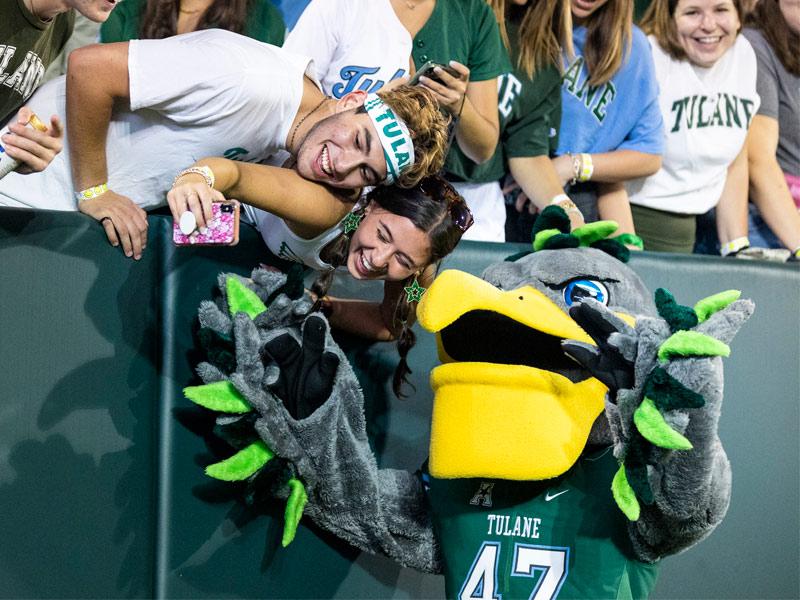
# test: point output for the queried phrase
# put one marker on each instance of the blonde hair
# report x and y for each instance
(545, 30)
(608, 40)
(428, 126)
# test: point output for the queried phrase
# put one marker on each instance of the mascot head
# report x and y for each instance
(509, 403)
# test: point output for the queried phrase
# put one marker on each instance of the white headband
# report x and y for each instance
(398, 147)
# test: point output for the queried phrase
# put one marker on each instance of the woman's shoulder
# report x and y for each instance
(639, 40)
(743, 52)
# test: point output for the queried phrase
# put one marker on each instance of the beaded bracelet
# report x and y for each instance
(205, 172)
(92, 192)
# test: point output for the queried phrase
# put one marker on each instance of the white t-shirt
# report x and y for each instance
(286, 244)
(206, 93)
(355, 44)
(707, 113)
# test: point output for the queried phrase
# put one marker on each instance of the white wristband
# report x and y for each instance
(734, 246)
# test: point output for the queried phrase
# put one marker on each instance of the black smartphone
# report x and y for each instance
(427, 71)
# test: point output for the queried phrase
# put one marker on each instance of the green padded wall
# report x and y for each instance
(102, 492)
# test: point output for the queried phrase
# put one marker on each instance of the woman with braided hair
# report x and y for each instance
(431, 212)
(393, 234)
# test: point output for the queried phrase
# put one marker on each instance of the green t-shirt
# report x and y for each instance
(466, 31)
(27, 46)
(563, 538)
(264, 22)
(530, 114)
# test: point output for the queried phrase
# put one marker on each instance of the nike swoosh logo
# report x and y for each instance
(548, 496)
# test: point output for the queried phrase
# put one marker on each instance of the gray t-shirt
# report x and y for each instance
(780, 99)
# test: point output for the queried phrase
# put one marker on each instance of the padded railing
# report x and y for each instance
(102, 492)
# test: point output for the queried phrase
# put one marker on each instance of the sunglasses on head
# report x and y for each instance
(459, 211)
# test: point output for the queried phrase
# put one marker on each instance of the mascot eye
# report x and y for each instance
(580, 289)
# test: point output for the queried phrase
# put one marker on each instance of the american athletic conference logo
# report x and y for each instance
(483, 497)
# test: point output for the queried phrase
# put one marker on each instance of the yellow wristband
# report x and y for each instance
(92, 192)
(205, 172)
(734, 246)
(586, 168)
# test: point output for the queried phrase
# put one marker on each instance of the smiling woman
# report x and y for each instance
(707, 78)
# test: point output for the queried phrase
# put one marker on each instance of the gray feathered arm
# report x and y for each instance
(665, 394)
(377, 510)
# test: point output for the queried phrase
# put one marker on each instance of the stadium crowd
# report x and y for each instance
(679, 119)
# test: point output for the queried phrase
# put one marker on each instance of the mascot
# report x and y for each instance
(574, 430)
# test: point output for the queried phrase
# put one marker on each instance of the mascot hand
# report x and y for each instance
(612, 360)
(307, 372)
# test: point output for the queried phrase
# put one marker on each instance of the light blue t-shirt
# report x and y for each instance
(622, 114)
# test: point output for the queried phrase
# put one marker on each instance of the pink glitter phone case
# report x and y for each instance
(221, 230)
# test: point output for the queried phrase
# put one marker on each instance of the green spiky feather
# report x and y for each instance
(669, 393)
(220, 396)
(691, 344)
(655, 429)
(294, 510)
(712, 304)
(679, 317)
(542, 236)
(243, 464)
(624, 495)
(242, 299)
(594, 232)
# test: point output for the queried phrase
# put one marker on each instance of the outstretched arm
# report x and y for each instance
(665, 394)
(308, 208)
(308, 410)
(97, 76)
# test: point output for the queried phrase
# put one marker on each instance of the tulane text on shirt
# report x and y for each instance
(722, 110)
(356, 78)
(527, 527)
(596, 98)
(26, 76)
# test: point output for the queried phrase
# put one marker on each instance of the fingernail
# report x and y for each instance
(128, 253)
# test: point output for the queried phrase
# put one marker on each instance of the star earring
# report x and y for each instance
(414, 291)
(351, 222)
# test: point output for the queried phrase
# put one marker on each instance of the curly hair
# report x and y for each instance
(433, 205)
(428, 126)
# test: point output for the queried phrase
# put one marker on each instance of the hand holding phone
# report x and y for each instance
(450, 89)
(222, 229)
(427, 70)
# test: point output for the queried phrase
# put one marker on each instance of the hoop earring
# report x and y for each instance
(414, 291)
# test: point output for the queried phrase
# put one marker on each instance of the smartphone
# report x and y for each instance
(221, 230)
(427, 71)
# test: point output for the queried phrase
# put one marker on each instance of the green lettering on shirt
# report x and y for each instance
(609, 92)
(572, 73)
(732, 110)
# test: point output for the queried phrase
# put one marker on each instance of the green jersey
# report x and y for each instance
(564, 538)
(529, 112)
(466, 31)
(27, 46)
(264, 22)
